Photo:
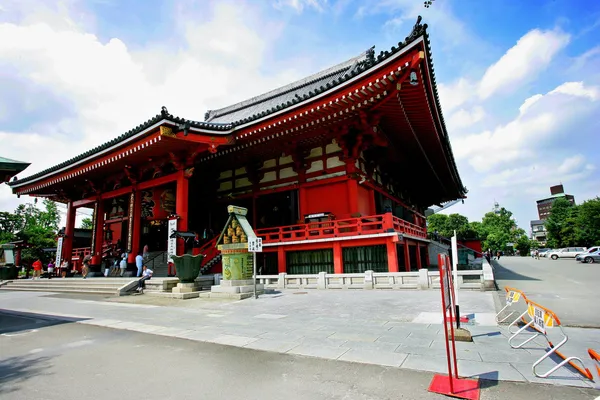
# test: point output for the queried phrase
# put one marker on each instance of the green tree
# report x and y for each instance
(38, 227)
(562, 224)
(9, 224)
(588, 222)
(523, 245)
(438, 223)
(497, 229)
(87, 223)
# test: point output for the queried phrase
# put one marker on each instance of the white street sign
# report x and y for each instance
(255, 245)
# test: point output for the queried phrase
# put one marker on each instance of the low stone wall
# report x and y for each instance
(419, 280)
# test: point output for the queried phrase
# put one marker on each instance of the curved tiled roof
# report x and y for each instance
(225, 120)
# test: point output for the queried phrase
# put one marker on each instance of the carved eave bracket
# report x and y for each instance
(131, 174)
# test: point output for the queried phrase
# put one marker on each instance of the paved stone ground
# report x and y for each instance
(366, 327)
(65, 361)
(567, 287)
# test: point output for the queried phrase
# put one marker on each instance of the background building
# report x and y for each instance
(544, 206)
(538, 231)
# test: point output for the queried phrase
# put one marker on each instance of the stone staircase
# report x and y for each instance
(107, 286)
(210, 264)
(157, 262)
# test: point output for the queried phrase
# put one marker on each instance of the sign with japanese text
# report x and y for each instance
(171, 242)
(59, 245)
(255, 245)
(538, 319)
(512, 297)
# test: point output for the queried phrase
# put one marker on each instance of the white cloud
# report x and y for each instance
(536, 178)
(456, 94)
(532, 53)
(529, 102)
(523, 137)
(114, 89)
(300, 5)
(464, 118)
(577, 89)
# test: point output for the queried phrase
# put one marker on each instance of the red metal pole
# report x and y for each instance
(442, 269)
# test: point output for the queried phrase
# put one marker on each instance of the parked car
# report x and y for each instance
(587, 256)
(567, 252)
(543, 252)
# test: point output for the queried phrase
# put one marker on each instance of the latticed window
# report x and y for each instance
(365, 258)
(310, 262)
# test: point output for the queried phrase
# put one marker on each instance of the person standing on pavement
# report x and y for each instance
(37, 269)
(86, 266)
(139, 263)
(146, 253)
(50, 269)
(123, 266)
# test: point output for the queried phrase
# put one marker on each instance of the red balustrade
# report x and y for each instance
(80, 253)
(368, 225)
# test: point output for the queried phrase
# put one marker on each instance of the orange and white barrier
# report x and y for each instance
(541, 319)
(513, 296)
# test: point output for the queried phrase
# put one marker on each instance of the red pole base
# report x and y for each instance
(463, 388)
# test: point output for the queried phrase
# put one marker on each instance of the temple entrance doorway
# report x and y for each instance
(154, 234)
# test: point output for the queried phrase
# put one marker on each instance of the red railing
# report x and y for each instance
(341, 227)
(80, 253)
(209, 249)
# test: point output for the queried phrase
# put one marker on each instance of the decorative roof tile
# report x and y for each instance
(224, 120)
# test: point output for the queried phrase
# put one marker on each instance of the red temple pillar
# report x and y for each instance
(303, 203)
(281, 261)
(352, 185)
(98, 233)
(67, 247)
(418, 256)
(181, 207)
(338, 262)
(406, 256)
(392, 254)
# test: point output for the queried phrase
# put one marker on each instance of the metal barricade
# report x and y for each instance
(513, 296)
(541, 319)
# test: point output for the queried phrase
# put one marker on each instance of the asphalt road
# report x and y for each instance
(567, 287)
(41, 359)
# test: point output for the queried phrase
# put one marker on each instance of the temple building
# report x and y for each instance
(336, 171)
(9, 168)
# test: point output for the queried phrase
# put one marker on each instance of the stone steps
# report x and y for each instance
(109, 291)
(76, 285)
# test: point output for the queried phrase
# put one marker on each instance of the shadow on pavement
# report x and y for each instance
(488, 380)
(20, 370)
(501, 273)
(13, 322)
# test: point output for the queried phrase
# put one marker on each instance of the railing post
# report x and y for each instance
(281, 280)
(369, 284)
(423, 282)
(322, 280)
(388, 222)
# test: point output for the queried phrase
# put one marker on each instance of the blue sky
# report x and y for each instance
(519, 80)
